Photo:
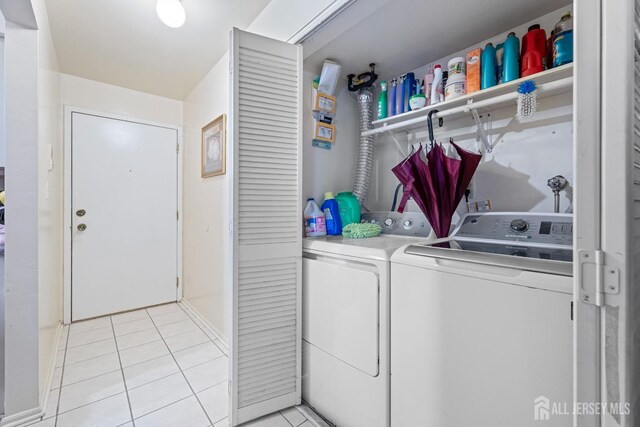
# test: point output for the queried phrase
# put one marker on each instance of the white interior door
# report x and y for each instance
(123, 215)
(266, 161)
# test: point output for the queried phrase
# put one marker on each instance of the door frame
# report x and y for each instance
(67, 211)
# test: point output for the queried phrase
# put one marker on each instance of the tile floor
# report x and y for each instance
(148, 368)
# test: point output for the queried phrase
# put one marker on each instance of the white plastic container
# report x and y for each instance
(456, 86)
(314, 220)
(457, 65)
(437, 94)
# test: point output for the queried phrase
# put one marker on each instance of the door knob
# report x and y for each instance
(82, 227)
(81, 212)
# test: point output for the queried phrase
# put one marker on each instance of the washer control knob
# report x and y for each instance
(408, 224)
(389, 222)
(519, 225)
(374, 221)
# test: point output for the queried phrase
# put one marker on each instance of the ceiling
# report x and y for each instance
(427, 33)
(124, 43)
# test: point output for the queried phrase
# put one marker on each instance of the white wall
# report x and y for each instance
(330, 170)
(21, 256)
(206, 209)
(106, 98)
(513, 176)
(206, 202)
(49, 196)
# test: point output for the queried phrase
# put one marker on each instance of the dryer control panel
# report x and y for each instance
(550, 229)
(399, 224)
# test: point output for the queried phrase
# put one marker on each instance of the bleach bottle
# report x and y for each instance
(314, 222)
(331, 215)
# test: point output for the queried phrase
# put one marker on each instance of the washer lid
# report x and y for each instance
(553, 253)
(551, 260)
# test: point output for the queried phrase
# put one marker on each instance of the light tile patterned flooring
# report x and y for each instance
(153, 367)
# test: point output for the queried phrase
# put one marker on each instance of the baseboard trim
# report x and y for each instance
(22, 418)
(206, 323)
(47, 391)
(34, 414)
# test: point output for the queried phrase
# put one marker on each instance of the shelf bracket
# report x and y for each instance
(488, 146)
(397, 144)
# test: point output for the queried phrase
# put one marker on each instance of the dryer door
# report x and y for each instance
(340, 310)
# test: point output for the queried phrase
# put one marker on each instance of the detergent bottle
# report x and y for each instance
(488, 64)
(314, 222)
(400, 95)
(511, 58)
(331, 215)
(563, 41)
(534, 51)
(383, 100)
(391, 98)
(349, 208)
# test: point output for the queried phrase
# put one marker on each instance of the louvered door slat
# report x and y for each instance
(635, 149)
(267, 236)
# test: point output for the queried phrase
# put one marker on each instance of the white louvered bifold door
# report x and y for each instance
(266, 167)
(587, 105)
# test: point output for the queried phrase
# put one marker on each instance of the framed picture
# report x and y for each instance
(214, 141)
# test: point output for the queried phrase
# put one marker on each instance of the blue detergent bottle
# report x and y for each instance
(488, 61)
(332, 215)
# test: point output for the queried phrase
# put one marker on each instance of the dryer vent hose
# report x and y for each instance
(365, 148)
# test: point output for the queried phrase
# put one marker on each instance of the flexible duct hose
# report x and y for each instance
(365, 149)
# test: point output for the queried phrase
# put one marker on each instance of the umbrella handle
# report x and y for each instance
(430, 126)
(405, 196)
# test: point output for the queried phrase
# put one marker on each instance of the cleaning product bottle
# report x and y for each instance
(437, 90)
(499, 63)
(563, 41)
(550, 49)
(331, 215)
(391, 104)
(409, 89)
(428, 83)
(400, 95)
(488, 63)
(383, 99)
(534, 51)
(349, 208)
(314, 222)
(511, 58)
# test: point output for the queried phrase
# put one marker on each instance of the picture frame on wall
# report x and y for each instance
(214, 145)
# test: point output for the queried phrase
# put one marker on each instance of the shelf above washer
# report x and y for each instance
(550, 82)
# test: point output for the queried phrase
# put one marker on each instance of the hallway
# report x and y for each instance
(155, 367)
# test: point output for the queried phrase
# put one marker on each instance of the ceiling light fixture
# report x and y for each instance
(171, 12)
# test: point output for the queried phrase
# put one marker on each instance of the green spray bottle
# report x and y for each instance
(383, 99)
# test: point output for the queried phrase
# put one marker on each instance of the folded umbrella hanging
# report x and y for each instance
(437, 185)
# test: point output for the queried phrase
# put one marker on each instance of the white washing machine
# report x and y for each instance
(481, 324)
(345, 329)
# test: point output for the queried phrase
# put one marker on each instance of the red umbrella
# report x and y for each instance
(437, 185)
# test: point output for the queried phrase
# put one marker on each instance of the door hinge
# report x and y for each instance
(177, 214)
(596, 278)
(177, 282)
(177, 148)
